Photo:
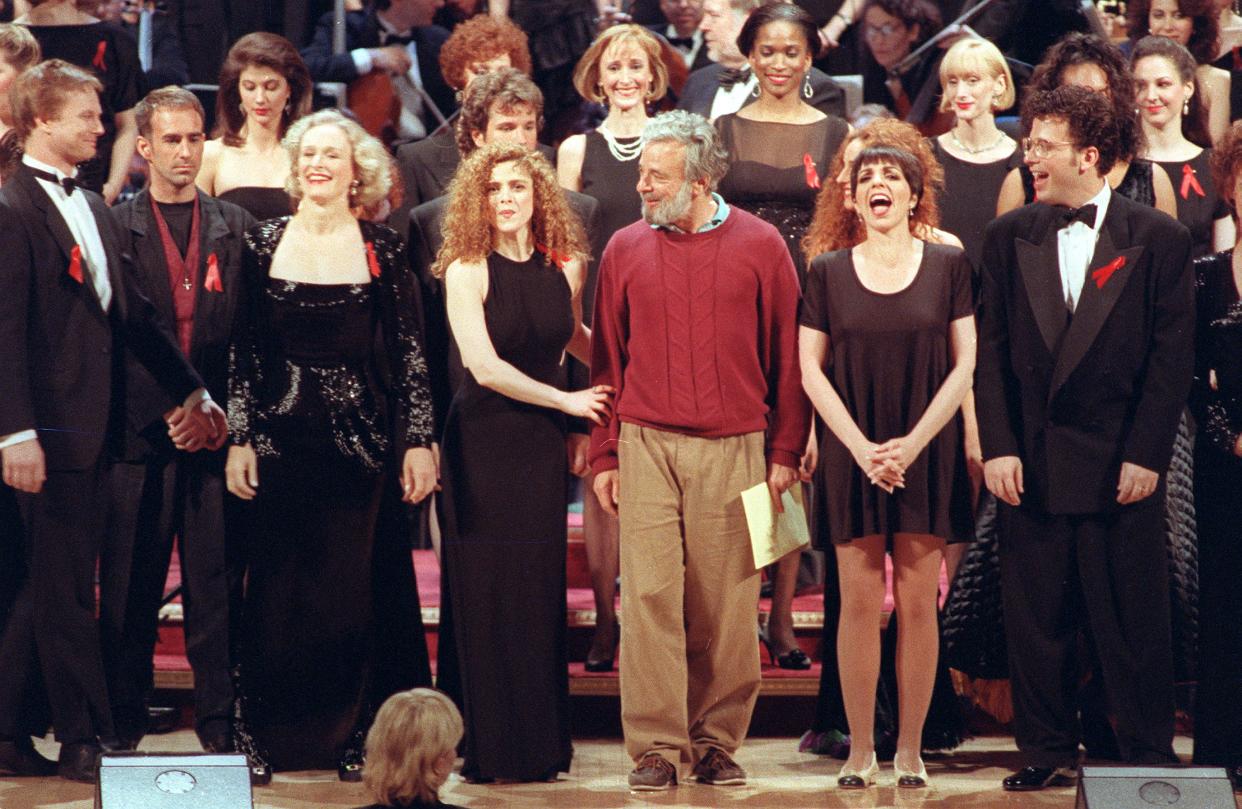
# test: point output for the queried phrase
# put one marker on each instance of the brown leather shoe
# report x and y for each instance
(653, 774)
(716, 767)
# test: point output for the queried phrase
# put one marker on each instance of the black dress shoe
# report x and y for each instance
(349, 769)
(598, 666)
(162, 720)
(1030, 779)
(20, 759)
(79, 761)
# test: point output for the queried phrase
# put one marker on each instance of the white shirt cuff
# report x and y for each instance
(18, 438)
(193, 400)
(362, 60)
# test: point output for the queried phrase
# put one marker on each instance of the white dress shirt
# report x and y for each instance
(732, 99)
(696, 40)
(1076, 246)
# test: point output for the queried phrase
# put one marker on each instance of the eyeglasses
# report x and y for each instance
(1042, 148)
(882, 31)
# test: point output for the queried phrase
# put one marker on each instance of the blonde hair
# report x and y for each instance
(976, 55)
(370, 159)
(18, 46)
(586, 74)
(468, 222)
(412, 730)
(41, 92)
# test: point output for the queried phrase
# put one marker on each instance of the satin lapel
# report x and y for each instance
(56, 224)
(212, 230)
(1096, 302)
(1041, 277)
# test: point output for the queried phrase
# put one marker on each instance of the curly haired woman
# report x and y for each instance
(513, 264)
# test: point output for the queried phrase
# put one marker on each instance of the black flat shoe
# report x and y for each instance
(20, 759)
(1031, 779)
(79, 762)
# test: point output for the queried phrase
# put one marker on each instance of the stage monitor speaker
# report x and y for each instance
(173, 781)
(1143, 787)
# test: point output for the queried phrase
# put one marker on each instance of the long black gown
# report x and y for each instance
(1218, 484)
(502, 518)
(305, 393)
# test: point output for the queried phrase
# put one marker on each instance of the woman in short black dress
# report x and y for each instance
(891, 321)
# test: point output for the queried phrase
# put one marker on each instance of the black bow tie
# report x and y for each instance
(68, 183)
(733, 75)
(387, 38)
(683, 43)
(1068, 216)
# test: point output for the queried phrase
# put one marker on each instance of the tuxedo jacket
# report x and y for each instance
(701, 59)
(700, 91)
(426, 238)
(362, 30)
(427, 167)
(62, 363)
(1075, 396)
(222, 227)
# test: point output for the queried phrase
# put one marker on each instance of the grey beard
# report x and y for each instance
(670, 210)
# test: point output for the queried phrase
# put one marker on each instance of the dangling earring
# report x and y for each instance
(754, 93)
(1186, 107)
(353, 188)
(806, 85)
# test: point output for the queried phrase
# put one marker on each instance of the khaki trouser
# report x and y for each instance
(689, 590)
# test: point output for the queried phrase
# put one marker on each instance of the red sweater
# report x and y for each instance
(698, 332)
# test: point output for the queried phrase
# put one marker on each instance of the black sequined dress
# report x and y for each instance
(307, 393)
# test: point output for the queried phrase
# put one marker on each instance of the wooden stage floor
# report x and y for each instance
(780, 778)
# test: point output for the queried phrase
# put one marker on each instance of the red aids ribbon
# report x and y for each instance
(554, 257)
(372, 261)
(75, 264)
(1189, 181)
(98, 61)
(1102, 275)
(812, 176)
(213, 283)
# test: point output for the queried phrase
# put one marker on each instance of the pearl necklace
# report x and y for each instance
(623, 152)
(979, 150)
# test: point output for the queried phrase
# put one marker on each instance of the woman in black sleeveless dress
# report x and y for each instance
(514, 308)
(315, 427)
(623, 70)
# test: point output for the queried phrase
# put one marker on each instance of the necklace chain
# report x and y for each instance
(624, 152)
(979, 149)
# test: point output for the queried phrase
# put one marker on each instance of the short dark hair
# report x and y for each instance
(1087, 114)
(777, 11)
(1077, 48)
(165, 98)
(911, 12)
(508, 87)
(1204, 31)
(909, 164)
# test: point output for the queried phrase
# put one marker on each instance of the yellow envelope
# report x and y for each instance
(774, 535)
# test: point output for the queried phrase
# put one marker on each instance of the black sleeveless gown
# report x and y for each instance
(613, 183)
(261, 201)
(502, 517)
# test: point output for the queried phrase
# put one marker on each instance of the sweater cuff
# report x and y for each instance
(605, 463)
(784, 458)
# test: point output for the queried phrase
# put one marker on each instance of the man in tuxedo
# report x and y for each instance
(187, 250)
(681, 29)
(477, 47)
(396, 37)
(68, 313)
(728, 85)
(1085, 360)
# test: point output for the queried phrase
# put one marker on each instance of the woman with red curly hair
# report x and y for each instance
(514, 265)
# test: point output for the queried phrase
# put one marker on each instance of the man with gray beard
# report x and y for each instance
(696, 329)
